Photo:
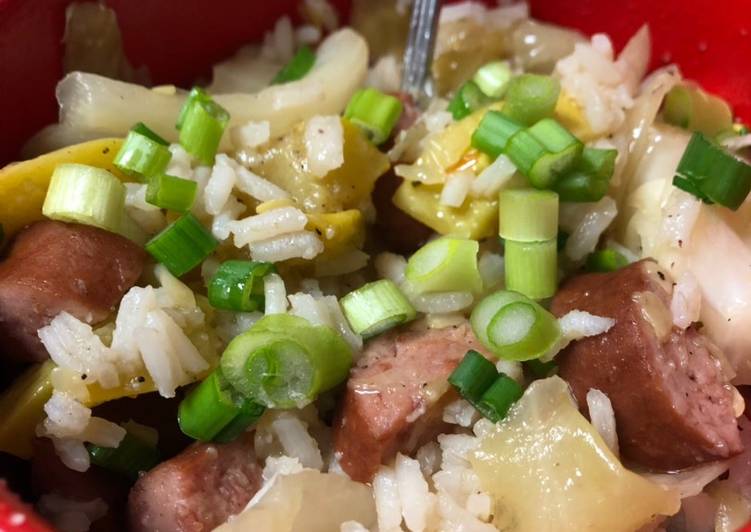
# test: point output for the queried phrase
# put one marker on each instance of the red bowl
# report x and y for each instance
(178, 40)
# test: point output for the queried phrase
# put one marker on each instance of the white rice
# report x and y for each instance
(251, 134)
(148, 217)
(387, 500)
(72, 344)
(302, 244)
(685, 306)
(340, 324)
(512, 369)
(461, 413)
(322, 13)
(391, 266)
(442, 302)
(492, 179)
(270, 224)
(603, 418)
(72, 453)
(579, 324)
(180, 164)
(307, 307)
(256, 186)
(456, 188)
(221, 225)
(220, 185)
(324, 144)
(275, 294)
(66, 417)
(312, 287)
(385, 75)
(417, 501)
(231, 324)
(68, 515)
(296, 441)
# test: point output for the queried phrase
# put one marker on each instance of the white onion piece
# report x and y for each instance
(102, 106)
(595, 221)
(633, 60)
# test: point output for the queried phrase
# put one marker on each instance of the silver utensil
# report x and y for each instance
(418, 56)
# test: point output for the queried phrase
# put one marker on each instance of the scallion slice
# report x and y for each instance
(202, 122)
(491, 393)
(182, 245)
(544, 152)
(447, 264)
(473, 376)
(170, 192)
(214, 411)
(376, 307)
(468, 99)
(689, 107)
(514, 327)
(540, 369)
(129, 459)
(238, 285)
(606, 260)
(493, 78)
(493, 133)
(532, 267)
(285, 362)
(86, 195)
(297, 68)
(712, 174)
(530, 98)
(528, 215)
(375, 112)
(143, 154)
(499, 397)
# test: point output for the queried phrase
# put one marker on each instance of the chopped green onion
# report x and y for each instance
(143, 129)
(689, 107)
(606, 260)
(530, 98)
(578, 187)
(499, 397)
(375, 112)
(514, 327)
(297, 68)
(445, 265)
(376, 307)
(214, 411)
(598, 162)
(143, 153)
(182, 245)
(493, 78)
(532, 267)
(528, 215)
(712, 174)
(540, 369)
(544, 152)
(491, 393)
(238, 285)
(473, 376)
(170, 192)
(201, 124)
(196, 94)
(468, 99)
(130, 458)
(87, 195)
(493, 133)
(285, 362)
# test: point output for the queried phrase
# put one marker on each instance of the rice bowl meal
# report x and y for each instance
(298, 298)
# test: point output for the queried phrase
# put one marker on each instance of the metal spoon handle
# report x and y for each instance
(418, 57)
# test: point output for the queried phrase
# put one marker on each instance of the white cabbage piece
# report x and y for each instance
(308, 501)
(710, 242)
(95, 106)
(548, 469)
